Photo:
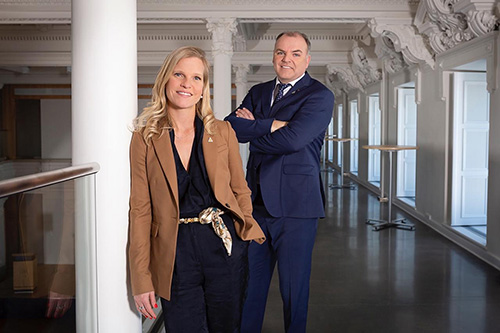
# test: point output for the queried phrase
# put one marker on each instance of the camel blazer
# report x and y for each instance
(154, 203)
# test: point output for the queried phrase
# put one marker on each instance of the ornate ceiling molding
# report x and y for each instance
(393, 61)
(265, 2)
(35, 2)
(222, 30)
(448, 23)
(345, 73)
(406, 40)
(363, 67)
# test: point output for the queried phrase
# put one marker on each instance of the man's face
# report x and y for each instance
(290, 59)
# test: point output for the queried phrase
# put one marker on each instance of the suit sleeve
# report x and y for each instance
(140, 217)
(247, 130)
(250, 229)
(307, 124)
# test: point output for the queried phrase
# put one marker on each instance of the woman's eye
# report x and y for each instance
(197, 78)
(177, 74)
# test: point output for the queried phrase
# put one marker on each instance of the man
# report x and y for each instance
(285, 121)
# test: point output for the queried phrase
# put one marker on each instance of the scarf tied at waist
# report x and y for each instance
(213, 215)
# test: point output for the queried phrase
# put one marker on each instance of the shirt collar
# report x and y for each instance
(292, 83)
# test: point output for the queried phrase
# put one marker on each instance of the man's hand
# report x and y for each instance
(277, 124)
(245, 114)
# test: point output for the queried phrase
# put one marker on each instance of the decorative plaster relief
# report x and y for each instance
(222, 30)
(447, 23)
(241, 71)
(481, 22)
(345, 73)
(393, 61)
(406, 40)
(364, 68)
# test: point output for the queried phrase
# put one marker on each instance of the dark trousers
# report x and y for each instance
(208, 286)
(290, 243)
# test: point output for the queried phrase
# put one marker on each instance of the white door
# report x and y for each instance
(407, 136)
(354, 133)
(374, 135)
(339, 132)
(470, 149)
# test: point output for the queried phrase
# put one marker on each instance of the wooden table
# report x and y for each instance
(397, 223)
(341, 142)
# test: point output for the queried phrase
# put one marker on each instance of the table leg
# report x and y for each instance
(397, 223)
(342, 185)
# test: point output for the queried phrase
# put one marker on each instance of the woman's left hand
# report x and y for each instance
(145, 303)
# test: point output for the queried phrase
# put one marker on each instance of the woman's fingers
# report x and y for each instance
(145, 303)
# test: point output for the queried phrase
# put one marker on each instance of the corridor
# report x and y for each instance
(391, 280)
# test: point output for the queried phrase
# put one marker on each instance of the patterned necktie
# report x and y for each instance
(281, 90)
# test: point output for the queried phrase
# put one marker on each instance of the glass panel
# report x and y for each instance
(37, 256)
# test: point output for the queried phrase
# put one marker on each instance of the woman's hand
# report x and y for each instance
(145, 303)
(58, 304)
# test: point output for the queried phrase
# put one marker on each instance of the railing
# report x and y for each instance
(47, 233)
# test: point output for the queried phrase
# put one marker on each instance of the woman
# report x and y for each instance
(190, 207)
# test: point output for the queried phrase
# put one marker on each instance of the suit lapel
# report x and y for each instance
(296, 89)
(209, 144)
(267, 94)
(165, 154)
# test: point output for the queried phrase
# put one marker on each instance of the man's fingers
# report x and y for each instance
(244, 113)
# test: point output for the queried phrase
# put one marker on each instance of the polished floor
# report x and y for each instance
(390, 280)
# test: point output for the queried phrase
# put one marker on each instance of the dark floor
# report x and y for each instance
(390, 280)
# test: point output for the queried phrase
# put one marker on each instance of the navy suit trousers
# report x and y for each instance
(208, 286)
(290, 242)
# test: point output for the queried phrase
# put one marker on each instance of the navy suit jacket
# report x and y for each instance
(288, 158)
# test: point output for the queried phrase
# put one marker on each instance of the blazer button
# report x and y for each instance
(227, 205)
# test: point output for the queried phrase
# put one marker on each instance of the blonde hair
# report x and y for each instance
(155, 117)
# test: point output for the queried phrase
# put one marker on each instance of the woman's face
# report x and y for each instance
(185, 85)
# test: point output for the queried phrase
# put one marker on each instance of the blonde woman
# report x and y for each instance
(190, 207)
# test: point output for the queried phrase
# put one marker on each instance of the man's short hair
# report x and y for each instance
(296, 34)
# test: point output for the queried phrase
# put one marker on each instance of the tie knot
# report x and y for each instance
(283, 86)
(281, 90)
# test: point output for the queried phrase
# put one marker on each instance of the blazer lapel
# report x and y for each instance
(165, 154)
(209, 144)
(267, 94)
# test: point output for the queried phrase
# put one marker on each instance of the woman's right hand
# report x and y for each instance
(145, 303)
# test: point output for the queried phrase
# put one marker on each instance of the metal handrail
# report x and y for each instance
(27, 183)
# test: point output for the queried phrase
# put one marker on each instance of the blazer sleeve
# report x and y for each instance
(140, 218)
(308, 122)
(250, 229)
(247, 130)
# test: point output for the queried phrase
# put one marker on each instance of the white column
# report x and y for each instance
(241, 71)
(104, 101)
(222, 30)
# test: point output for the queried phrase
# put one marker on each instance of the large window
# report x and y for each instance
(407, 136)
(340, 111)
(374, 138)
(471, 123)
(354, 133)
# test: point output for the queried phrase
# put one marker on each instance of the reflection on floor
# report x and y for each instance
(390, 280)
